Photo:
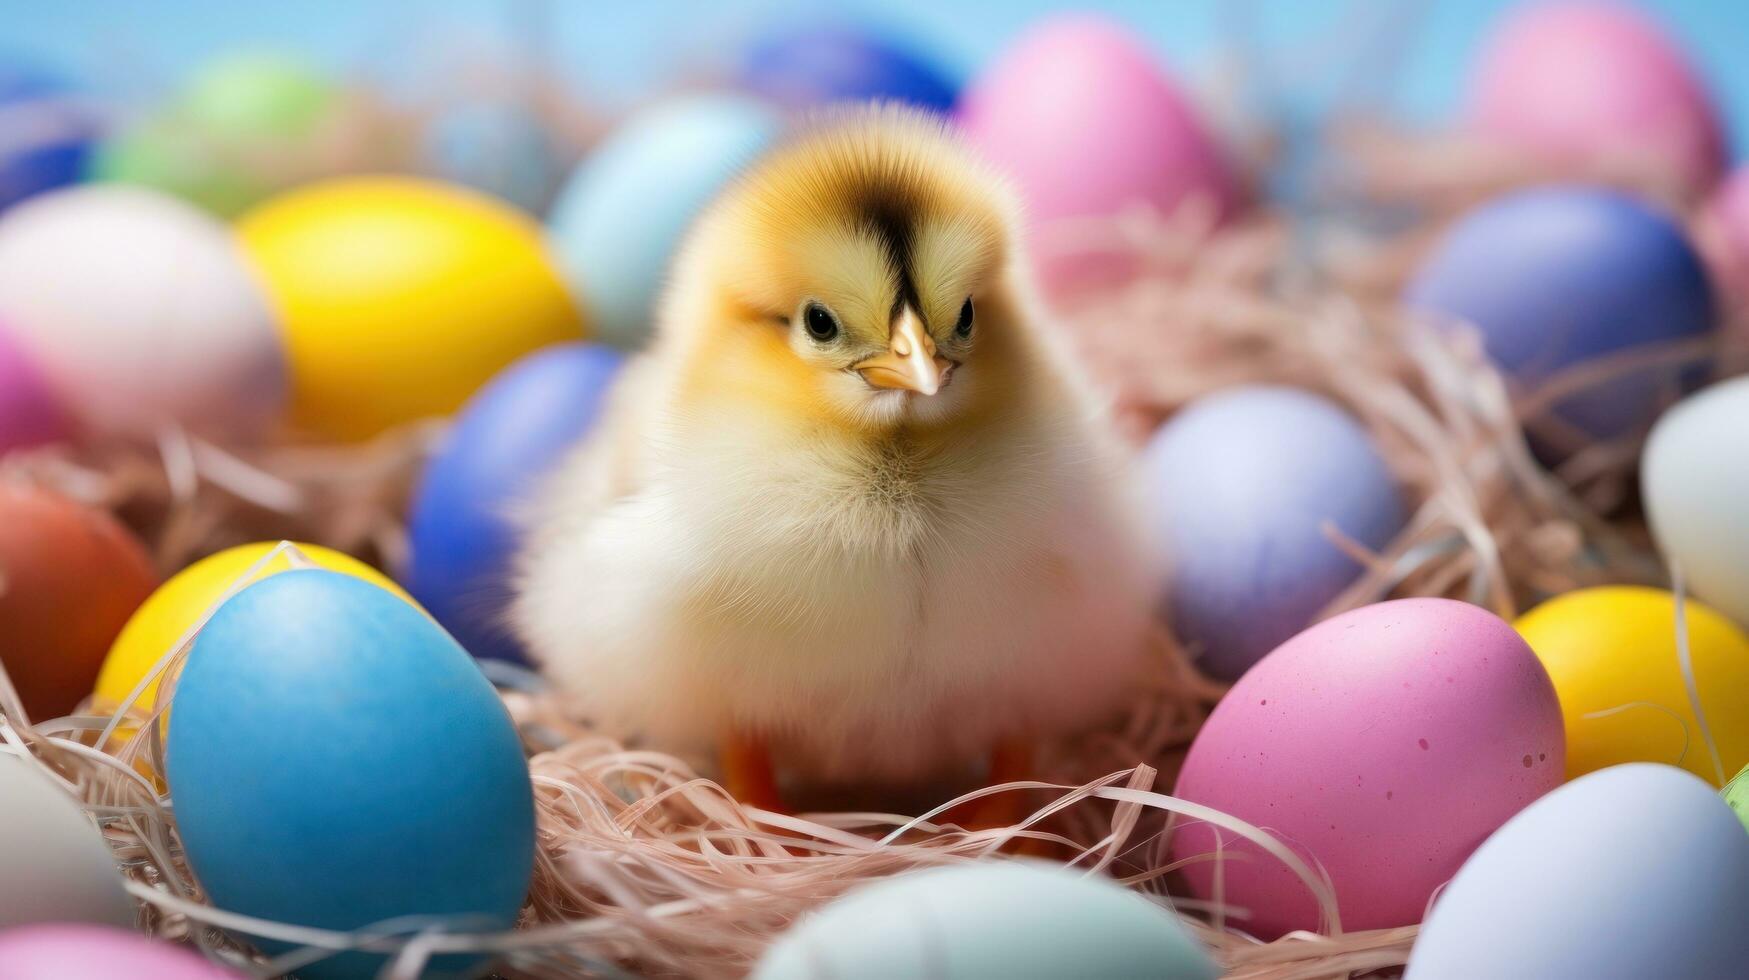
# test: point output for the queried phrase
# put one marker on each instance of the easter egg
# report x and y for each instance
(54, 865)
(507, 437)
(181, 603)
(1721, 229)
(1087, 122)
(398, 297)
(66, 951)
(29, 412)
(821, 63)
(1017, 919)
(1582, 82)
(139, 311)
(247, 125)
(498, 147)
(70, 577)
(49, 133)
(1695, 478)
(1382, 745)
(1241, 485)
(1556, 277)
(1736, 795)
(620, 217)
(1612, 654)
(1634, 871)
(337, 760)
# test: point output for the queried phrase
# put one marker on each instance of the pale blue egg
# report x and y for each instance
(620, 217)
(338, 761)
(1019, 920)
(1630, 872)
(1241, 484)
(501, 148)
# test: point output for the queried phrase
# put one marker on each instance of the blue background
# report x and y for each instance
(1404, 55)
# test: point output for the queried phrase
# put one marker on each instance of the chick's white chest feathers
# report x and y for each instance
(880, 609)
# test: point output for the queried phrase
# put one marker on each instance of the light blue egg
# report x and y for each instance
(1019, 920)
(1626, 873)
(500, 148)
(1241, 484)
(336, 760)
(462, 526)
(620, 217)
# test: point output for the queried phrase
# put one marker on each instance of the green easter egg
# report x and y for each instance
(1736, 793)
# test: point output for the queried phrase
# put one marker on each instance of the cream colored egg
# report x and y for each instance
(1695, 473)
(53, 865)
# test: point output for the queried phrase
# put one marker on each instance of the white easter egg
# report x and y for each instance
(53, 865)
(1695, 473)
(1629, 872)
(139, 310)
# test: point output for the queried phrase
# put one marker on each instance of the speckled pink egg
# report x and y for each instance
(1086, 122)
(1384, 745)
(65, 951)
(1572, 81)
(29, 413)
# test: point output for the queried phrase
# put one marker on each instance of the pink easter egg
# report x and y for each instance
(1578, 81)
(65, 951)
(1383, 745)
(29, 413)
(1722, 231)
(1087, 122)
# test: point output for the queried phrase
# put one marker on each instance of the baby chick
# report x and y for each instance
(853, 508)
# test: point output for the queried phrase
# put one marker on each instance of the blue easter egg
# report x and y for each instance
(500, 148)
(506, 438)
(823, 63)
(1629, 872)
(620, 217)
(1241, 484)
(337, 760)
(49, 135)
(1556, 277)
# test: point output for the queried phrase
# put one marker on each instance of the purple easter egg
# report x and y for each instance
(29, 413)
(1241, 485)
(68, 951)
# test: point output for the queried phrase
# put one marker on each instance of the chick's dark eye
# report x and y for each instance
(964, 326)
(821, 326)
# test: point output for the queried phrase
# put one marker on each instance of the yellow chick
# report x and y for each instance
(854, 509)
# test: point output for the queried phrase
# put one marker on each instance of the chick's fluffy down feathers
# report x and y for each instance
(880, 584)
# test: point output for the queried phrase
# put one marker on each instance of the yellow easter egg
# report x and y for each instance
(1612, 654)
(180, 603)
(397, 297)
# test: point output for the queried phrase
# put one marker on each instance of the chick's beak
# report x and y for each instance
(909, 361)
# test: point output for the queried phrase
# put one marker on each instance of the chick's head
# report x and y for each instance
(862, 273)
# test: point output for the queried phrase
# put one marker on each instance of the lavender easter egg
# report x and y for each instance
(1596, 83)
(1382, 745)
(507, 438)
(49, 128)
(1242, 484)
(1556, 277)
(1630, 872)
(65, 951)
(1087, 122)
(826, 62)
(30, 415)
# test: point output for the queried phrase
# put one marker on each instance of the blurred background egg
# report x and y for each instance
(70, 577)
(1557, 277)
(54, 865)
(497, 146)
(179, 604)
(248, 124)
(819, 63)
(1632, 872)
(338, 760)
(65, 951)
(1241, 484)
(49, 131)
(1589, 82)
(462, 526)
(1721, 229)
(1087, 122)
(1382, 745)
(619, 218)
(1612, 654)
(139, 311)
(1014, 919)
(399, 296)
(30, 415)
(1694, 475)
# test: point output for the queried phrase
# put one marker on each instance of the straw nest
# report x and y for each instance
(647, 866)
